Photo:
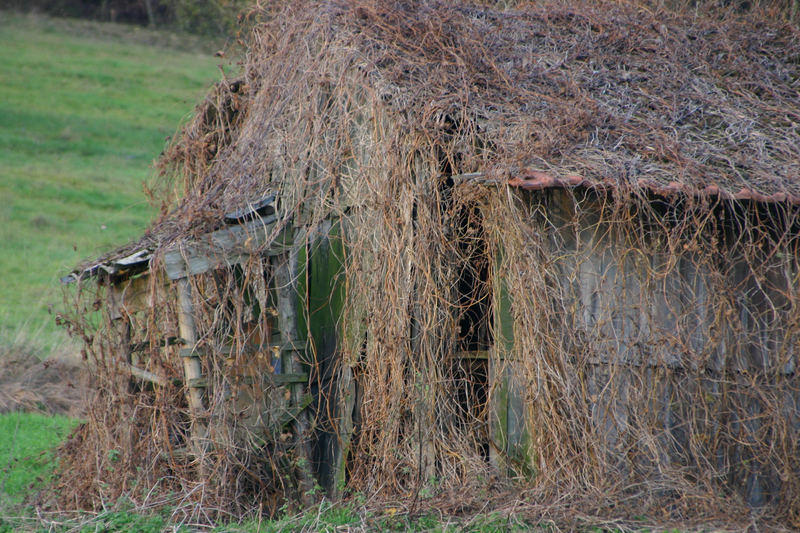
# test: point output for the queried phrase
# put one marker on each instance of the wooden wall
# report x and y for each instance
(681, 339)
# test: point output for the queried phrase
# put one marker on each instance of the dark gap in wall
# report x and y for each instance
(469, 367)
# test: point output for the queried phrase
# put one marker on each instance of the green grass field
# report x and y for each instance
(85, 108)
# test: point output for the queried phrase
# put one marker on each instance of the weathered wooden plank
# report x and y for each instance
(228, 246)
(498, 405)
(288, 379)
(292, 413)
(510, 435)
(188, 331)
(503, 347)
(197, 383)
(192, 371)
(322, 283)
(276, 380)
(129, 296)
(169, 341)
(246, 349)
(473, 354)
(346, 402)
(262, 208)
(146, 375)
(324, 292)
(120, 269)
(193, 352)
(518, 451)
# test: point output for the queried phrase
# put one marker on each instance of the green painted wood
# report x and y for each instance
(511, 437)
(283, 379)
(498, 372)
(302, 290)
(328, 304)
(324, 293)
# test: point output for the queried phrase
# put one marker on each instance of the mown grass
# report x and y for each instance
(84, 110)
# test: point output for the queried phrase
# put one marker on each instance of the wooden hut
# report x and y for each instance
(419, 246)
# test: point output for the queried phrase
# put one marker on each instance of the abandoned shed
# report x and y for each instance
(429, 245)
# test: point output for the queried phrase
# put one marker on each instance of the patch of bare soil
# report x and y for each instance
(57, 385)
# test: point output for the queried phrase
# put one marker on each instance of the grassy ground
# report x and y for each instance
(26, 458)
(325, 517)
(84, 110)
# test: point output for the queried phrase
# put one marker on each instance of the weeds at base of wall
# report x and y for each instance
(324, 517)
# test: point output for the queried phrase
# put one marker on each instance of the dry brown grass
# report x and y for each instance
(56, 385)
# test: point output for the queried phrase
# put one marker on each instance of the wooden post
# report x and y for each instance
(191, 363)
(127, 353)
(285, 272)
(151, 13)
(346, 401)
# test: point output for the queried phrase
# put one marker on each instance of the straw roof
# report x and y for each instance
(595, 94)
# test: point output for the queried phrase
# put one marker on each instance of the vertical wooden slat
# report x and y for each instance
(324, 293)
(192, 371)
(345, 426)
(510, 434)
(126, 354)
(285, 268)
(188, 332)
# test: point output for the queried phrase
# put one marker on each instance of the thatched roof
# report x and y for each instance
(593, 94)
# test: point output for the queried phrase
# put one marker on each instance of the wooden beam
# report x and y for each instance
(297, 378)
(292, 413)
(277, 380)
(169, 341)
(345, 427)
(197, 383)
(473, 354)
(259, 209)
(230, 245)
(246, 349)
